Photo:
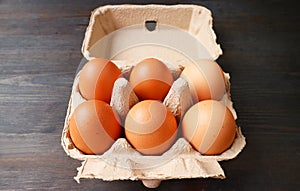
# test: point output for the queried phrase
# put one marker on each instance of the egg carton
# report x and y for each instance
(120, 33)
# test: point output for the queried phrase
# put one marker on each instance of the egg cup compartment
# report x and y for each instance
(124, 47)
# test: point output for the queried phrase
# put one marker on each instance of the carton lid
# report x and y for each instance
(180, 27)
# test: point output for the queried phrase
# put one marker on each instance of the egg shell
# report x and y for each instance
(209, 126)
(150, 127)
(94, 127)
(126, 67)
(206, 80)
(151, 79)
(97, 79)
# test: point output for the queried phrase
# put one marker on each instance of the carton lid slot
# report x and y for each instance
(150, 25)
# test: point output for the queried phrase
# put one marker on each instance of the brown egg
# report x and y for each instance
(151, 79)
(206, 80)
(97, 79)
(94, 127)
(150, 127)
(209, 126)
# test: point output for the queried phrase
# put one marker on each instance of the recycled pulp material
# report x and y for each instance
(183, 34)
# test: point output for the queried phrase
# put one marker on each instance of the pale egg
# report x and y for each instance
(209, 126)
(206, 80)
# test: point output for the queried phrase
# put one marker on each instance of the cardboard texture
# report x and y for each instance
(121, 161)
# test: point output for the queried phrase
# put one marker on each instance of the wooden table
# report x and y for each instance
(40, 45)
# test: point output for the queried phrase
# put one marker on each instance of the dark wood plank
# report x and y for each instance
(40, 45)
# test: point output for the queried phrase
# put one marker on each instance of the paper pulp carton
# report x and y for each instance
(126, 34)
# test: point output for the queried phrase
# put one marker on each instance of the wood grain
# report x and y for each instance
(40, 45)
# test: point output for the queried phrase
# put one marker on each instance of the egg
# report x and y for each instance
(206, 80)
(209, 126)
(97, 79)
(151, 79)
(94, 126)
(150, 127)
